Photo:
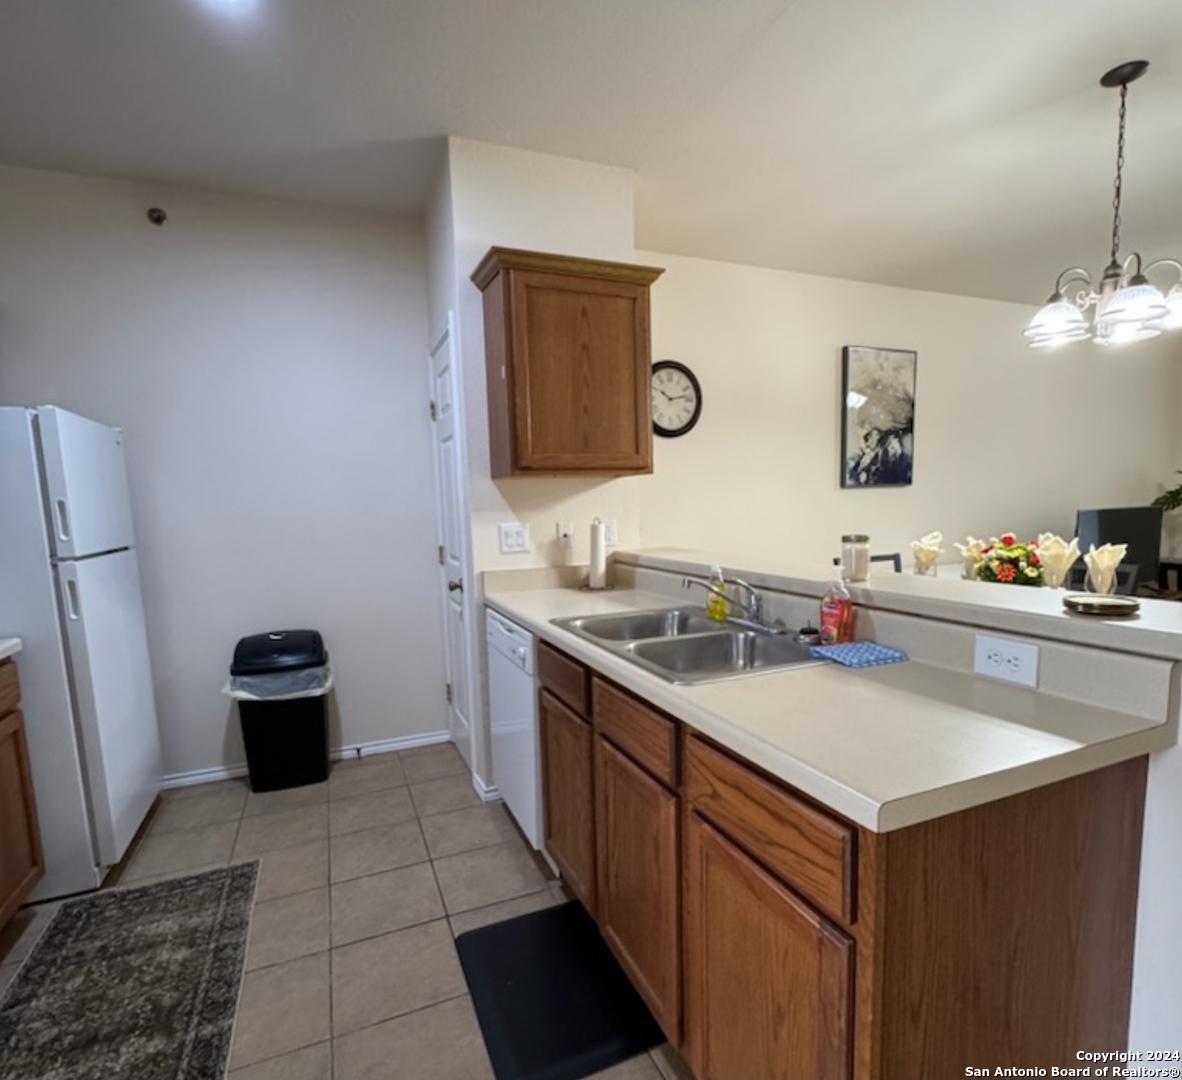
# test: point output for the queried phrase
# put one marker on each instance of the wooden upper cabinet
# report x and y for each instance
(569, 364)
(21, 862)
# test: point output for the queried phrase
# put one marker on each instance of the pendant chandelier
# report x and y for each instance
(1125, 306)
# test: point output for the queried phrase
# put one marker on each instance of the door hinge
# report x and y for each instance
(450, 695)
(442, 557)
(434, 412)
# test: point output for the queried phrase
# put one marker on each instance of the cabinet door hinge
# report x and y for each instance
(442, 557)
(434, 412)
(450, 695)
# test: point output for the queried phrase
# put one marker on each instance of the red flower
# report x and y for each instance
(1009, 539)
(986, 550)
(1033, 559)
(1005, 572)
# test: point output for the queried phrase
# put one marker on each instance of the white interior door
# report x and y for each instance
(86, 479)
(103, 613)
(454, 579)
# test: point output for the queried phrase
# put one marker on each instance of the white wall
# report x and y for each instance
(1006, 438)
(513, 198)
(440, 244)
(268, 363)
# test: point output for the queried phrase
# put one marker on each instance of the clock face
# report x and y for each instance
(677, 398)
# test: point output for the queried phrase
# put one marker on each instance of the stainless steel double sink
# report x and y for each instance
(684, 646)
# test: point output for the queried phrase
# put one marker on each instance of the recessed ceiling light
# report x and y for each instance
(232, 7)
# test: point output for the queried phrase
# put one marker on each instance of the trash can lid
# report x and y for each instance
(279, 650)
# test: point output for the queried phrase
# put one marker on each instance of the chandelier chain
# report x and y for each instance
(1120, 164)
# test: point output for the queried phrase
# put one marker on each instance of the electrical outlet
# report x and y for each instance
(1003, 658)
(513, 537)
(564, 531)
(609, 532)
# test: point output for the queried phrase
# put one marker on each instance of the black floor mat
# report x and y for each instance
(553, 1004)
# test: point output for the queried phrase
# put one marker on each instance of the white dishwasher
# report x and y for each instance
(513, 721)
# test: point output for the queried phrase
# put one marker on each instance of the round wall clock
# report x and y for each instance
(677, 398)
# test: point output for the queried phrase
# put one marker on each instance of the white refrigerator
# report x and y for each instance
(70, 590)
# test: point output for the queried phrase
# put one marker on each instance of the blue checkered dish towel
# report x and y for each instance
(859, 654)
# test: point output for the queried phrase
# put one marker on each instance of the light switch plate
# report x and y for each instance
(609, 532)
(564, 533)
(513, 537)
(1006, 659)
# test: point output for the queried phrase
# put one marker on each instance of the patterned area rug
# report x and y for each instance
(138, 984)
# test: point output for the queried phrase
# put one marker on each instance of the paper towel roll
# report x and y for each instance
(597, 579)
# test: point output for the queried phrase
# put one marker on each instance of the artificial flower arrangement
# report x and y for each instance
(1004, 559)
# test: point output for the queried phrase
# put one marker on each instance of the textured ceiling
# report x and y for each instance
(943, 145)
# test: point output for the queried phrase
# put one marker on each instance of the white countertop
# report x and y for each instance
(9, 646)
(885, 747)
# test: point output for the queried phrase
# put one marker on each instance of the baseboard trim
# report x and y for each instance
(487, 792)
(388, 746)
(356, 750)
(203, 776)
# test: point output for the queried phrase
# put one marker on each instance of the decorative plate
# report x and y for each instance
(1112, 607)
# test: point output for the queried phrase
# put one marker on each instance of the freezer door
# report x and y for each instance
(103, 614)
(86, 482)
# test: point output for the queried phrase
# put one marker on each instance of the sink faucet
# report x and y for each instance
(751, 606)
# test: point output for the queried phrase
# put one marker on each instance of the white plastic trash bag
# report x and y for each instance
(280, 685)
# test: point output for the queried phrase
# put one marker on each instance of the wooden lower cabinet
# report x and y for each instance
(768, 987)
(568, 794)
(21, 863)
(775, 941)
(637, 826)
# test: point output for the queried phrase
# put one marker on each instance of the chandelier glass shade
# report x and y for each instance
(1124, 306)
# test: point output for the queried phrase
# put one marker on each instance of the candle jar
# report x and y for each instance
(855, 557)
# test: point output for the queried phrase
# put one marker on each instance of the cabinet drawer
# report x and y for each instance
(649, 738)
(813, 852)
(565, 678)
(10, 687)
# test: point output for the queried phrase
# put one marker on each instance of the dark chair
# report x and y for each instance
(1126, 577)
(894, 558)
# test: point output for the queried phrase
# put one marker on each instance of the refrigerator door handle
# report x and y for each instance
(63, 520)
(73, 607)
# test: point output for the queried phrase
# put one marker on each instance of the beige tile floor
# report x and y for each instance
(351, 971)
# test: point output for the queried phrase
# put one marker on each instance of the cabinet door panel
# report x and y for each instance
(580, 381)
(768, 980)
(637, 843)
(10, 687)
(21, 865)
(567, 774)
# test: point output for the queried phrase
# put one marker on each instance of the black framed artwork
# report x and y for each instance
(877, 417)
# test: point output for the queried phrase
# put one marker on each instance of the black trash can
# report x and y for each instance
(281, 681)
